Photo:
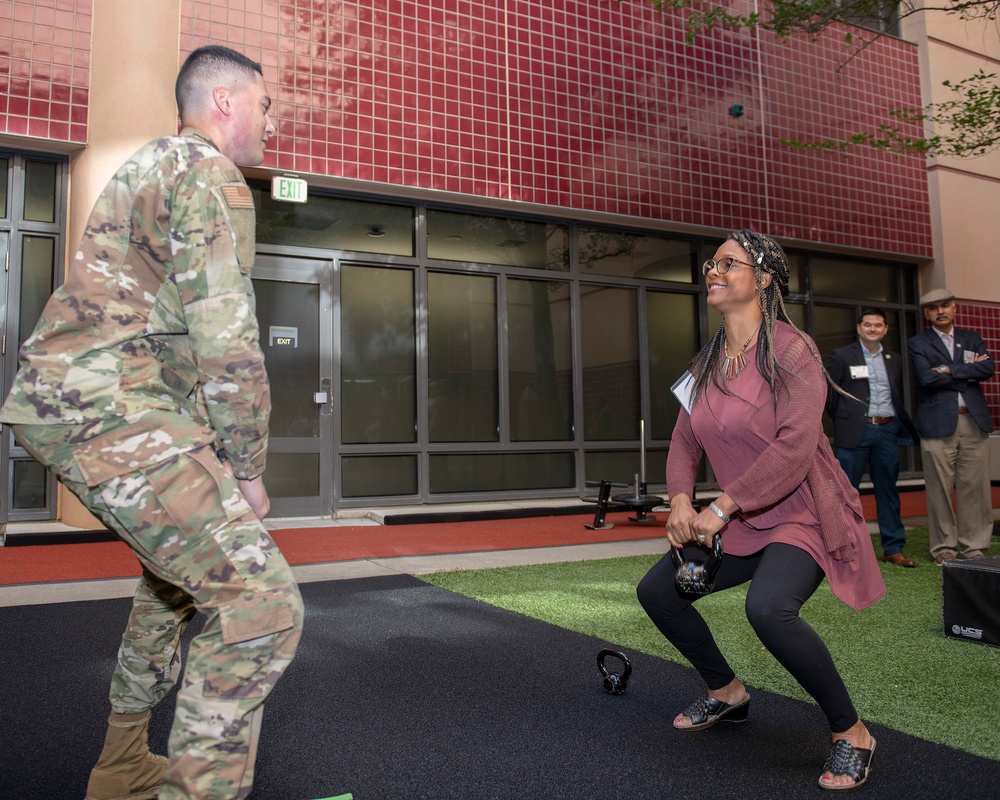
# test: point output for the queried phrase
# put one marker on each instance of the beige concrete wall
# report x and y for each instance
(135, 49)
(965, 192)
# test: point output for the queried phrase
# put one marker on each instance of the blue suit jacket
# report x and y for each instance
(848, 415)
(937, 392)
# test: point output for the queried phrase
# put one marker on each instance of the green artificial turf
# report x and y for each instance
(900, 669)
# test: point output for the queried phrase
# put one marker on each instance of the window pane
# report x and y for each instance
(334, 223)
(379, 476)
(288, 314)
(39, 191)
(378, 355)
(621, 466)
(29, 485)
(834, 326)
(797, 314)
(37, 280)
(910, 283)
(483, 472)
(796, 265)
(497, 240)
(463, 388)
(292, 475)
(4, 172)
(541, 369)
(893, 340)
(635, 255)
(610, 343)
(841, 278)
(672, 332)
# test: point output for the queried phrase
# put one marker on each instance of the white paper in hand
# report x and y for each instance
(682, 389)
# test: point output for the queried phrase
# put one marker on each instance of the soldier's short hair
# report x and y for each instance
(207, 66)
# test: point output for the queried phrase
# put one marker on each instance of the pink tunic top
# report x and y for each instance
(777, 465)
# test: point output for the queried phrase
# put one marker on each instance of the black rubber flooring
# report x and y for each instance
(403, 690)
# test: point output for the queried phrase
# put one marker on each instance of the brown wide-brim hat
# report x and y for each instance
(935, 296)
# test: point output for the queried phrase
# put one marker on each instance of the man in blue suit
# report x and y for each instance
(869, 431)
(954, 424)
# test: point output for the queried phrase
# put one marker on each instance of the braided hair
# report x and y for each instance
(766, 256)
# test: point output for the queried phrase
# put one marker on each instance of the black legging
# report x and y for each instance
(784, 577)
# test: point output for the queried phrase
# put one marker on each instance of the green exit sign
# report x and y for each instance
(290, 190)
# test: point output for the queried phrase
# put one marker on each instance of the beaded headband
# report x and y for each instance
(766, 254)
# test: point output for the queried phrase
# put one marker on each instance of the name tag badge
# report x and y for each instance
(969, 357)
(860, 372)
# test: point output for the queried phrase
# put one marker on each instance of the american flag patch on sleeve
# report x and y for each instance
(237, 195)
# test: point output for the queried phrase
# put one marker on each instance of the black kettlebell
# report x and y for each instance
(697, 577)
(614, 683)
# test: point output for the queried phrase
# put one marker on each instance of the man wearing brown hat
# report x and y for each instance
(954, 423)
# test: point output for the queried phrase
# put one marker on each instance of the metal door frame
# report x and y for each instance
(293, 269)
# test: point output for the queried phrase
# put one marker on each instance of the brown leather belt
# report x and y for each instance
(963, 409)
(879, 420)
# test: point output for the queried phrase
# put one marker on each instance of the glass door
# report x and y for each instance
(4, 377)
(294, 309)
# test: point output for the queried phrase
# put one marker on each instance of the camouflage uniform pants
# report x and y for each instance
(201, 548)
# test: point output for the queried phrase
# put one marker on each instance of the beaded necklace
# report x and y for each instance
(734, 365)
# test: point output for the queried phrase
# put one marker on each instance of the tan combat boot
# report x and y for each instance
(126, 769)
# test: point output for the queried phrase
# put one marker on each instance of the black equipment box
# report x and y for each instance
(971, 600)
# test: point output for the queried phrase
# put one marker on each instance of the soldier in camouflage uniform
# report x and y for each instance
(143, 388)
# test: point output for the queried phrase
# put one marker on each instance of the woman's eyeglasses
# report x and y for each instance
(723, 265)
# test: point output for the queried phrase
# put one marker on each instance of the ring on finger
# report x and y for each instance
(701, 538)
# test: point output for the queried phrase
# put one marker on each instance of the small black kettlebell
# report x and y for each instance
(697, 577)
(614, 683)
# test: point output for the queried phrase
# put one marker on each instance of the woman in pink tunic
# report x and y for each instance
(788, 515)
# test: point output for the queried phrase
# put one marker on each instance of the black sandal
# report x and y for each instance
(706, 711)
(855, 762)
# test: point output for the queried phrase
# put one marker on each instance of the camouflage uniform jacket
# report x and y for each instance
(154, 331)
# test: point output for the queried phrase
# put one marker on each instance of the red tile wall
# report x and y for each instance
(45, 68)
(587, 105)
(985, 320)
(592, 105)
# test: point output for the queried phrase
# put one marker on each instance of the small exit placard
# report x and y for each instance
(290, 190)
(283, 336)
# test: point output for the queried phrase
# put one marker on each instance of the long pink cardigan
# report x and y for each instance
(799, 451)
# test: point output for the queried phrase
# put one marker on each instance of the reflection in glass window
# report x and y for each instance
(610, 347)
(893, 339)
(40, 191)
(491, 472)
(796, 265)
(378, 355)
(672, 332)
(37, 280)
(292, 475)
(452, 236)
(635, 255)
(379, 476)
(462, 370)
(334, 223)
(833, 327)
(797, 314)
(4, 171)
(622, 466)
(540, 358)
(28, 485)
(833, 277)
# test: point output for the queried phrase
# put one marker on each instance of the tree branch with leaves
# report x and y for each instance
(969, 121)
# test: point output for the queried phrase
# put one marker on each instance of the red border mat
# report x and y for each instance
(97, 560)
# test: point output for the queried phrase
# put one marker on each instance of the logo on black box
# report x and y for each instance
(968, 633)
